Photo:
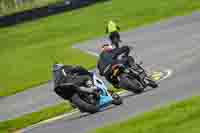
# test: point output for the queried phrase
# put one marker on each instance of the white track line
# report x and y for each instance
(92, 53)
(169, 73)
(76, 111)
(48, 121)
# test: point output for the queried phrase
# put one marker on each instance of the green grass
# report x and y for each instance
(33, 118)
(27, 51)
(36, 117)
(181, 117)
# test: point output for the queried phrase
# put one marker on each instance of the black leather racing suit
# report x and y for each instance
(76, 75)
(109, 58)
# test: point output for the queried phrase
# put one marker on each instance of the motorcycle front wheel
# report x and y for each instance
(152, 83)
(82, 105)
(130, 84)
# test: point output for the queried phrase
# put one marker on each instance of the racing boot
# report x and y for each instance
(116, 99)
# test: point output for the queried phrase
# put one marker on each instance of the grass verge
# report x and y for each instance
(28, 50)
(182, 117)
(35, 117)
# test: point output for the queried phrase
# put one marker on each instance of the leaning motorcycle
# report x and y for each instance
(132, 78)
(87, 100)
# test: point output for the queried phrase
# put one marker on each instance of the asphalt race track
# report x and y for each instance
(170, 45)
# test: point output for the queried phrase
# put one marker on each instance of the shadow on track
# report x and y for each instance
(125, 95)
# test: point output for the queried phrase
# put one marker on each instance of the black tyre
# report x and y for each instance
(130, 84)
(84, 106)
(152, 83)
(117, 100)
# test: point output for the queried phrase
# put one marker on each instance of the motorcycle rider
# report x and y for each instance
(112, 28)
(109, 57)
(76, 75)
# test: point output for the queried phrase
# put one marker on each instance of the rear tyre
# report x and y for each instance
(84, 106)
(130, 84)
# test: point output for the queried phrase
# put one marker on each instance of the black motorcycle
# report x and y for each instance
(132, 78)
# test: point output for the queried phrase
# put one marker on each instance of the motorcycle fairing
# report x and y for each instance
(105, 97)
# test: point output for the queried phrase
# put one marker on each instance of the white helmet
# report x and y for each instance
(57, 66)
(106, 47)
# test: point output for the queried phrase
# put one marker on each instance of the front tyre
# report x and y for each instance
(82, 105)
(152, 83)
(130, 84)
